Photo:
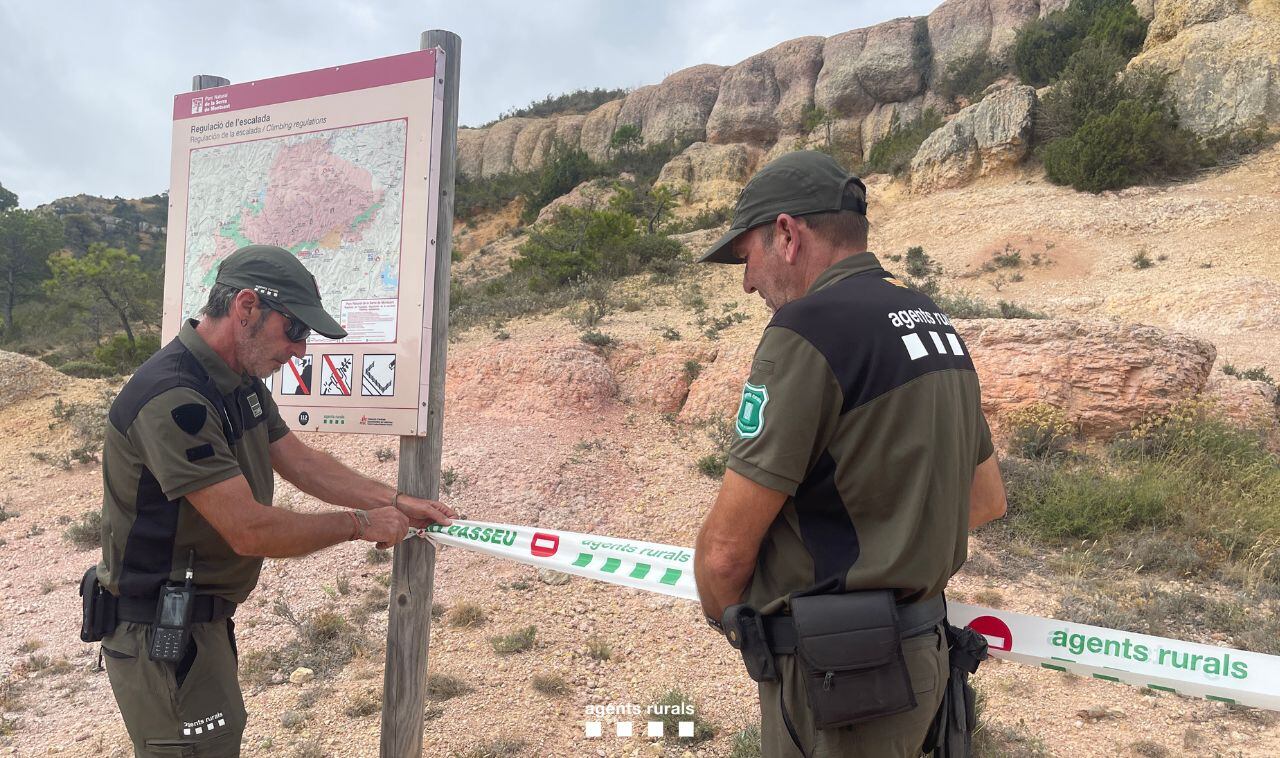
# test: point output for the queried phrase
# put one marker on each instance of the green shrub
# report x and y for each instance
(515, 642)
(87, 370)
(578, 101)
(1090, 85)
(920, 265)
(709, 218)
(746, 744)
(969, 76)
(1042, 47)
(599, 649)
(474, 195)
(893, 153)
(565, 168)
(552, 685)
(1255, 374)
(572, 246)
(444, 687)
(1138, 140)
(596, 339)
(87, 532)
(121, 357)
(713, 465)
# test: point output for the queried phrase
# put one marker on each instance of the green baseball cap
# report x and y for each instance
(278, 276)
(797, 184)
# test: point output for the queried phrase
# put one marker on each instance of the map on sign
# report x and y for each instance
(334, 198)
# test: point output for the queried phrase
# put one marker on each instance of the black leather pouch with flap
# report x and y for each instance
(850, 652)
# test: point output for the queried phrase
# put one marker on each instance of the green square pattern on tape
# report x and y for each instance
(1161, 689)
(583, 559)
(1106, 678)
(610, 565)
(640, 571)
(1220, 699)
(671, 577)
(1053, 667)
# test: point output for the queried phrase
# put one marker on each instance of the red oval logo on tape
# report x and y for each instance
(544, 545)
(996, 631)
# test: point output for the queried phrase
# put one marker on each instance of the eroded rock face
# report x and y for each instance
(981, 139)
(657, 377)
(718, 389)
(712, 174)
(1250, 403)
(960, 28)
(1172, 16)
(765, 96)
(1104, 376)
(597, 130)
(594, 194)
(549, 378)
(676, 109)
(1223, 75)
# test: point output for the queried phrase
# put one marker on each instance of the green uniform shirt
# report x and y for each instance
(863, 406)
(185, 421)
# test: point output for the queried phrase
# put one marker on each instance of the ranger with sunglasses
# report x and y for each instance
(191, 447)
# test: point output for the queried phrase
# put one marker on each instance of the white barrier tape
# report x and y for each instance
(1165, 665)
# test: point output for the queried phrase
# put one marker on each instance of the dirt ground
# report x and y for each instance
(626, 472)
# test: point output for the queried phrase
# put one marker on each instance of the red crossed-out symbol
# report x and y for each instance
(544, 545)
(996, 631)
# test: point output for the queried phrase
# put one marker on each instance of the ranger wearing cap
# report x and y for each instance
(862, 458)
(192, 443)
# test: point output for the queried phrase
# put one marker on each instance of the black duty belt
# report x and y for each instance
(142, 610)
(914, 619)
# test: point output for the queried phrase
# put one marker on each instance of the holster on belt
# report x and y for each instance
(98, 608)
(951, 734)
(848, 647)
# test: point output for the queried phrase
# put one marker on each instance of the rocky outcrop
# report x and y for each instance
(981, 139)
(1172, 16)
(1250, 403)
(711, 175)
(546, 378)
(1225, 74)
(1104, 376)
(718, 388)
(657, 377)
(1220, 54)
(594, 194)
(678, 108)
(765, 96)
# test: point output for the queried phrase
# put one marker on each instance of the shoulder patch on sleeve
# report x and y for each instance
(199, 452)
(190, 417)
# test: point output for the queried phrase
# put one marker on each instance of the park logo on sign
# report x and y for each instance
(750, 421)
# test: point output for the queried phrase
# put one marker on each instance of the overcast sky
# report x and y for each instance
(86, 87)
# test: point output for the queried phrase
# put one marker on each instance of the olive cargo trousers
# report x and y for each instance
(191, 708)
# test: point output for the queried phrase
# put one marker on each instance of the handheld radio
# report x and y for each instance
(172, 628)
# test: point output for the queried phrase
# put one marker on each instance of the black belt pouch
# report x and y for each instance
(849, 650)
(98, 608)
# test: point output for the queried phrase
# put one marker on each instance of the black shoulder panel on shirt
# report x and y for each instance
(875, 334)
(172, 366)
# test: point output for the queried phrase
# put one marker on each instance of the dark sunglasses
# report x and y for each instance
(294, 330)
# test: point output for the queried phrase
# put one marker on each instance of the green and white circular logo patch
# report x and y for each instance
(750, 420)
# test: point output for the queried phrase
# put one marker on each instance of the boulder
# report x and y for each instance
(888, 67)
(980, 140)
(500, 143)
(766, 95)
(677, 109)
(470, 156)
(1247, 402)
(548, 378)
(531, 145)
(838, 90)
(1105, 376)
(883, 118)
(597, 129)
(1172, 16)
(1223, 75)
(712, 175)
(593, 194)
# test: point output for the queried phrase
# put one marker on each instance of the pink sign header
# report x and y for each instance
(326, 81)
